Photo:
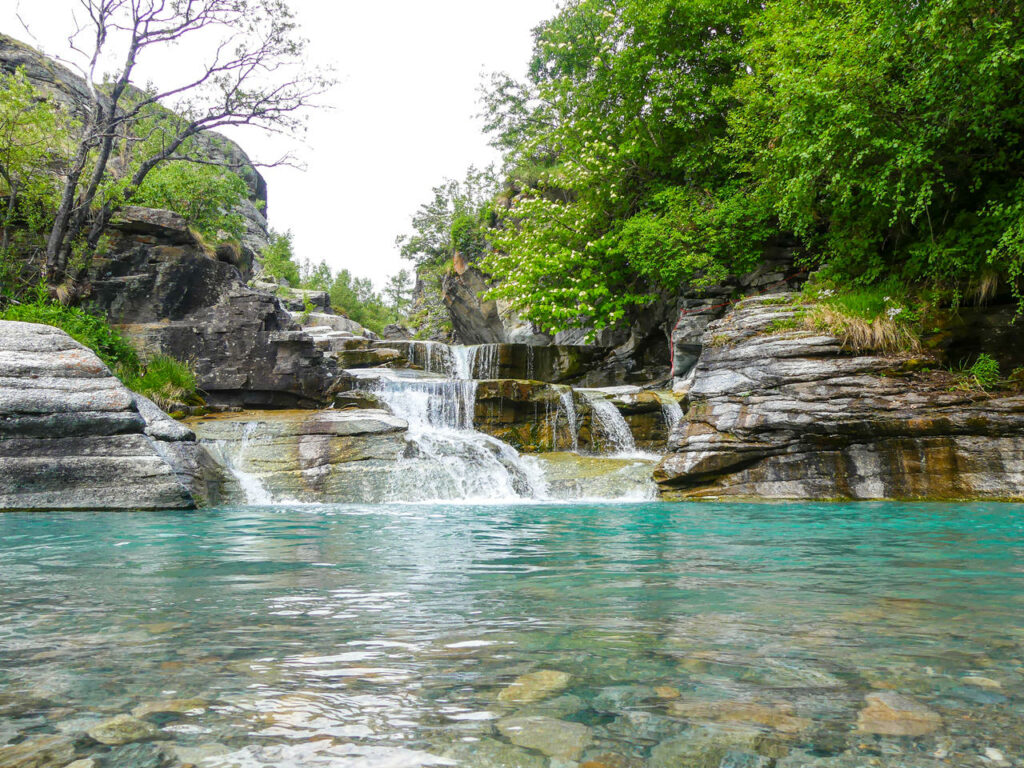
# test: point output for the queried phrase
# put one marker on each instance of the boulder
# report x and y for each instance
(169, 296)
(73, 437)
(313, 456)
(781, 412)
(296, 299)
(531, 416)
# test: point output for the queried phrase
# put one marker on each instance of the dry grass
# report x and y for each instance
(984, 287)
(882, 335)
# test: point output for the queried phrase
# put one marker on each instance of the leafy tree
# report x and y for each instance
(615, 178)
(32, 131)
(253, 75)
(398, 291)
(278, 259)
(888, 135)
(206, 196)
(455, 220)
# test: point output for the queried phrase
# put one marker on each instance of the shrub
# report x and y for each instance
(162, 379)
(167, 382)
(983, 374)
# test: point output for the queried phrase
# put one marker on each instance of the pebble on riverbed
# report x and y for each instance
(122, 729)
(535, 686)
(891, 714)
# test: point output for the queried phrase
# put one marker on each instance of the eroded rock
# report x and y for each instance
(892, 714)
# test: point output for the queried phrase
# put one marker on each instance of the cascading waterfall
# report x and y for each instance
(672, 411)
(252, 487)
(448, 459)
(567, 405)
(612, 425)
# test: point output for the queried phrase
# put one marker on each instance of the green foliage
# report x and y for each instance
(167, 382)
(664, 145)
(983, 374)
(86, 328)
(355, 298)
(278, 259)
(162, 379)
(454, 221)
(206, 196)
(34, 136)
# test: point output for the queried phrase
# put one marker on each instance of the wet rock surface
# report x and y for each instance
(73, 437)
(166, 293)
(790, 414)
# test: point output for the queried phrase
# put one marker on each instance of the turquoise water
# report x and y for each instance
(718, 635)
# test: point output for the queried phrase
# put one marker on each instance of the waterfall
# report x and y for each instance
(611, 423)
(672, 411)
(251, 485)
(447, 457)
(567, 405)
(480, 361)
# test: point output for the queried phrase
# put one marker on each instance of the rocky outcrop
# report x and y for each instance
(158, 285)
(317, 456)
(73, 437)
(781, 412)
(67, 89)
(296, 299)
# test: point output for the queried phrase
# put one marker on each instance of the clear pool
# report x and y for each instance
(537, 636)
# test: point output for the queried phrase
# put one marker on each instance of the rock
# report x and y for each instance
(122, 729)
(334, 322)
(981, 682)
(314, 456)
(196, 755)
(789, 414)
(170, 706)
(39, 752)
(475, 320)
(555, 738)
(572, 477)
(529, 415)
(367, 358)
(891, 714)
(86, 763)
(73, 437)
(707, 748)
(996, 757)
(777, 717)
(489, 753)
(296, 300)
(396, 332)
(171, 297)
(535, 686)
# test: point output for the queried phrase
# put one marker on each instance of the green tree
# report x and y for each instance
(616, 181)
(207, 197)
(278, 259)
(398, 291)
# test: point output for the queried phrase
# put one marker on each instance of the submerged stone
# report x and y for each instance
(40, 752)
(892, 714)
(555, 738)
(123, 729)
(535, 686)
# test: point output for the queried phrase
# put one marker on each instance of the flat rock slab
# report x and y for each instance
(892, 714)
(555, 738)
(74, 437)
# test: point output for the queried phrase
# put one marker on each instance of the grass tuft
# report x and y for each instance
(856, 334)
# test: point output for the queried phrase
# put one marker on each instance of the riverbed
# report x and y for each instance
(635, 635)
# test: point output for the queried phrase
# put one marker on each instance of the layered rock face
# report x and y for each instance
(788, 414)
(170, 296)
(73, 437)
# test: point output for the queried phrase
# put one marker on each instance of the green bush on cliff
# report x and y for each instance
(660, 144)
(206, 196)
(161, 378)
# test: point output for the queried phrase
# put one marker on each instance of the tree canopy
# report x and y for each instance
(663, 144)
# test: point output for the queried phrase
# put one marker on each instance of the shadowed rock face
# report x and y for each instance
(164, 291)
(791, 415)
(73, 437)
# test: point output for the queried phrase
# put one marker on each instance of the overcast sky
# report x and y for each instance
(402, 117)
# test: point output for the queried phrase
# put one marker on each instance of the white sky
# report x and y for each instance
(402, 117)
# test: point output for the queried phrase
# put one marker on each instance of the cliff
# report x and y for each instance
(791, 414)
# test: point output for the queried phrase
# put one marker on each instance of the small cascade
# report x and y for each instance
(672, 411)
(480, 361)
(567, 405)
(612, 425)
(251, 485)
(432, 356)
